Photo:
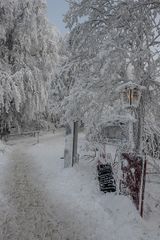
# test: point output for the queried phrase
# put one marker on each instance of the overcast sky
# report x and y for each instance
(56, 10)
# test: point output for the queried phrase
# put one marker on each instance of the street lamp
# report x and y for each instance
(130, 95)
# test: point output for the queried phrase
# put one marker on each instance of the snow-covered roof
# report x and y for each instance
(116, 120)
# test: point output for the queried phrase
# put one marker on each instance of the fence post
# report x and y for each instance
(143, 181)
(68, 147)
(38, 137)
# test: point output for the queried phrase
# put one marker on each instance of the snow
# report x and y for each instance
(87, 213)
(114, 119)
(45, 201)
(130, 85)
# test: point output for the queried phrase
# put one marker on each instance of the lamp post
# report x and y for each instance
(130, 94)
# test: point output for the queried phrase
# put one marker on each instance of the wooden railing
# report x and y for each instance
(7, 136)
(31, 133)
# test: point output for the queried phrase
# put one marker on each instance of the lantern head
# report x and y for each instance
(130, 94)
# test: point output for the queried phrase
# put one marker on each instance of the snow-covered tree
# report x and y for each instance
(114, 42)
(28, 55)
(61, 83)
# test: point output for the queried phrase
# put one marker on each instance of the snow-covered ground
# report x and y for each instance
(39, 199)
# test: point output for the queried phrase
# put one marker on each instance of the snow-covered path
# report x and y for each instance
(29, 214)
(40, 200)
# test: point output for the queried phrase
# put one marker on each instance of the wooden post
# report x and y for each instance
(71, 145)
(38, 136)
(141, 207)
(75, 142)
(68, 147)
